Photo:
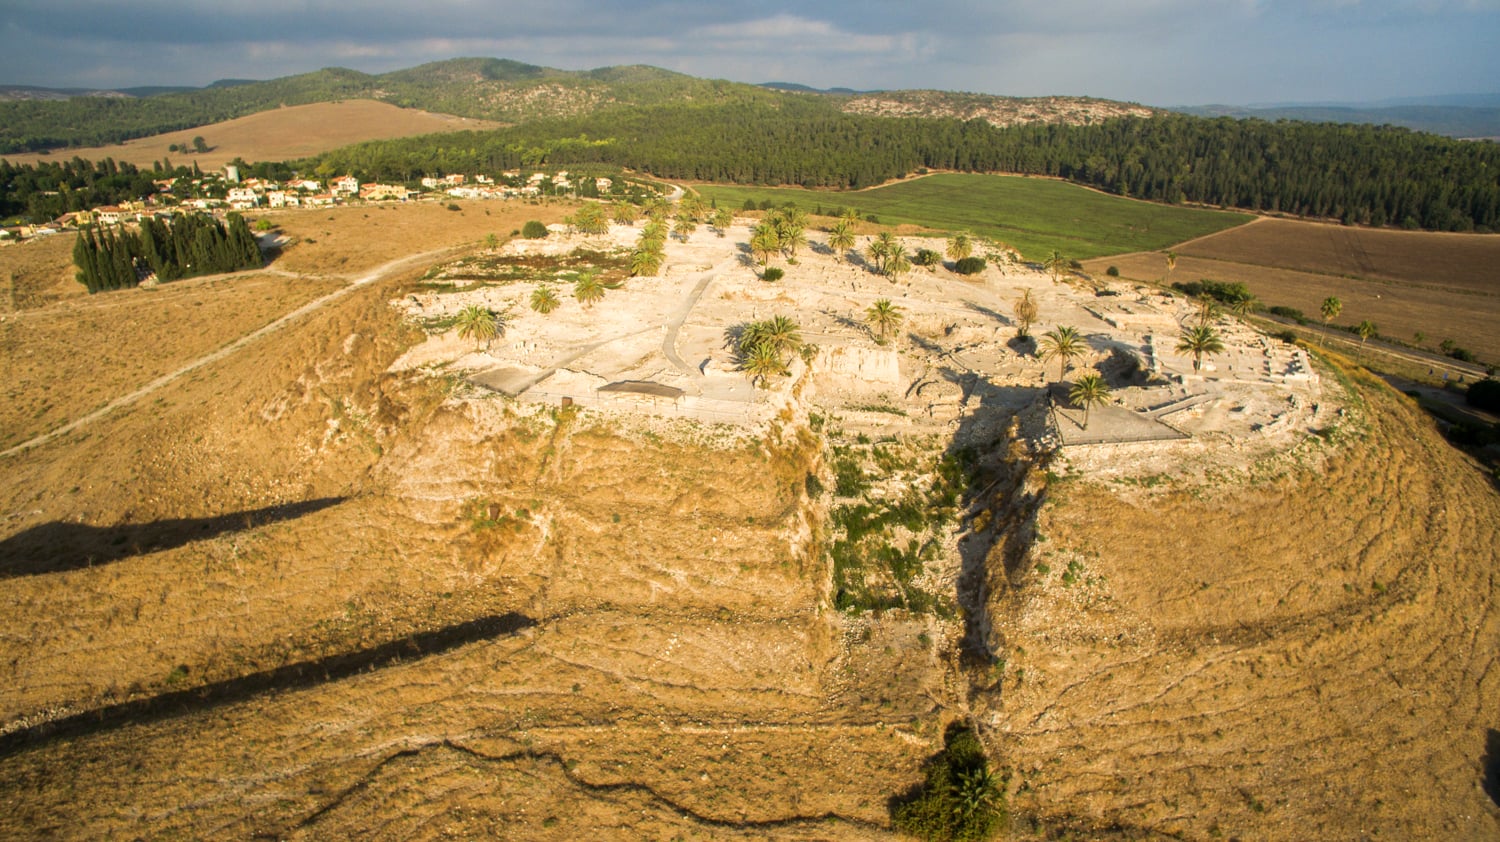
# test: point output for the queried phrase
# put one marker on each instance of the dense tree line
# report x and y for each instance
(1373, 175)
(49, 190)
(191, 245)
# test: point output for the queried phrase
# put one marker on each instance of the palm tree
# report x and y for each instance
(686, 224)
(885, 317)
(792, 237)
(960, 245)
(764, 243)
(1055, 264)
(781, 333)
(624, 213)
(645, 262)
(1243, 304)
(723, 218)
(588, 289)
(1064, 343)
(1171, 264)
(1026, 314)
(590, 219)
(851, 216)
(1208, 311)
(880, 248)
(1331, 309)
(896, 262)
(1198, 341)
(1088, 390)
(976, 792)
(841, 238)
(1366, 329)
(477, 323)
(762, 361)
(544, 300)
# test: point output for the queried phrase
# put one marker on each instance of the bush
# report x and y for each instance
(1485, 394)
(1113, 271)
(969, 266)
(453, 206)
(1463, 355)
(960, 798)
(927, 257)
(1289, 313)
(773, 273)
(534, 230)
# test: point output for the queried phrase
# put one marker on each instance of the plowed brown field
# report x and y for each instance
(1444, 285)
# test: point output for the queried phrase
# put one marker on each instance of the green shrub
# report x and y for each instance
(1113, 271)
(534, 230)
(1289, 313)
(927, 257)
(773, 273)
(960, 800)
(1485, 394)
(969, 266)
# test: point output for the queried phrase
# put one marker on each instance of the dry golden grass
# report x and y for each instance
(1443, 285)
(283, 134)
(72, 357)
(354, 238)
(36, 272)
(1302, 656)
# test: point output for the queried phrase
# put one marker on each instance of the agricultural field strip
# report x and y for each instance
(1056, 214)
(1373, 279)
(371, 276)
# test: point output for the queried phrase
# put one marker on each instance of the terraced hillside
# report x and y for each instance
(302, 595)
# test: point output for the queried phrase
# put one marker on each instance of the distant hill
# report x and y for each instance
(1463, 121)
(500, 90)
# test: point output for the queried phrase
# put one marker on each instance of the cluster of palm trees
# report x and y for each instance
(765, 347)
(782, 232)
(650, 252)
(888, 255)
(1066, 344)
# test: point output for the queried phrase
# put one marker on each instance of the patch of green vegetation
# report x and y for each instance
(1035, 216)
(880, 544)
(960, 800)
(485, 515)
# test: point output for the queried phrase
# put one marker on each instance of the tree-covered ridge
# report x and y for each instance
(188, 246)
(1359, 174)
(493, 89)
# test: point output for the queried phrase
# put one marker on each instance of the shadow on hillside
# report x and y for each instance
(996, 474)
(985, 311)
(59, 546)
(1491, 763)
(291, 677)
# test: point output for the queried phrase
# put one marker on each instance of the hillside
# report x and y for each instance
(279, 134)
(328, 585)
(480, 88)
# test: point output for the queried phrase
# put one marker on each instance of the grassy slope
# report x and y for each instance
(1033, 215)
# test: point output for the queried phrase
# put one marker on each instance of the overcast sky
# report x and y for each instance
(1158, 52)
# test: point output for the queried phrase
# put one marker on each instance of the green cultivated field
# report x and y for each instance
(1034, 215)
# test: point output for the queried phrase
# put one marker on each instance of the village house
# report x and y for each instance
(348, 185)
(318, 200)
(304, 184)
(242, 198)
